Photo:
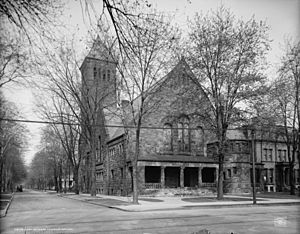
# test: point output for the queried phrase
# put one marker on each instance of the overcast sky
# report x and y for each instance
(281, 15)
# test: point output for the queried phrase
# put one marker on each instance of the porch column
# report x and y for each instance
(268, 176)
(182, 177)
(199, 176)
(162, 176)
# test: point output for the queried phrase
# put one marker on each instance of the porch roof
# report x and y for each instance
(176, 158)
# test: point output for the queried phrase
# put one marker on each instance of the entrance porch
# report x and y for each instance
(159, 177)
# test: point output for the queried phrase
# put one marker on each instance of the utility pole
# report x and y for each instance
(253, 166)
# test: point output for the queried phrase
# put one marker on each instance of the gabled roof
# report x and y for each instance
(100, 51)
(180, 67)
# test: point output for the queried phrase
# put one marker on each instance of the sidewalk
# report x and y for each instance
(167, 203)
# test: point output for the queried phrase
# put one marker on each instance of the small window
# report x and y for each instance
(104, 75)
(122, 172)
(266, 154)
(231, 146)
(112, 173)
(279, 155)
(235, 170)
(284, 155)
(95, 72)
(271, 154)
(108, 75)
(99, 73)
(229, 173)
(237, 147)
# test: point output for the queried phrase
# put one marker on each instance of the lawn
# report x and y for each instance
(214, 199)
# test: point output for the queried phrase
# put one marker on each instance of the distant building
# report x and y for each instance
(176, 151)
(271, 161)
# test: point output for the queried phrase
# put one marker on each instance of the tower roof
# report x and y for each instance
(100, 51)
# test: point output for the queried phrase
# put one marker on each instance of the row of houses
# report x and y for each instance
(177, 148)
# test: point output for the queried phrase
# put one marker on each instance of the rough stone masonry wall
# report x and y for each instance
(176, 97)
(236, 167)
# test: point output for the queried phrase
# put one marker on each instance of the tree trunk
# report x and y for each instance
(60, 178)
(55, 180)
(93, 165)
(220, 177)
(134, 167)
(2, 176)
(56, 184)
(76, 179)
(65, 183)
(292, 179)
(221, 155)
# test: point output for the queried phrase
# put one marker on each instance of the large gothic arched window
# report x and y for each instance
(183, 135)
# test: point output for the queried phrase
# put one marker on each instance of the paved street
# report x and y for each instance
(39, 212)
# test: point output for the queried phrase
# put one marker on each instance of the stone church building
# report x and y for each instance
(176, 149)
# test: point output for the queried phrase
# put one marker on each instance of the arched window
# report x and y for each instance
(183, 135)
(99, 148)
(104, 75)
(199, 139)
(108, 75)
(180, 131)
(168, 137)
(186, 137)
(180, 136)
(95, 72)
(99, 73)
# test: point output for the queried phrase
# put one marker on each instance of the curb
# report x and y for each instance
(186, 207)
(4, 212)
(208, 206)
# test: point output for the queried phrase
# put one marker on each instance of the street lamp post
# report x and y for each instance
(253, 167)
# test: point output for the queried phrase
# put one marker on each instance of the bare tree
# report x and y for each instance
(146, 54)
(42, 172)
(75, 102)
(24, 25)
(226, 55)
(285, 103)
(12, 145)
(53, 146)
(30, 17)
(63, 111)
(13, 59)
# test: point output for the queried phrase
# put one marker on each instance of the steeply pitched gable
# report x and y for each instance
(100, 51)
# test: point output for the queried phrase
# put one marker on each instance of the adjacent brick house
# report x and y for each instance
(271, 161)
(176, 151)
